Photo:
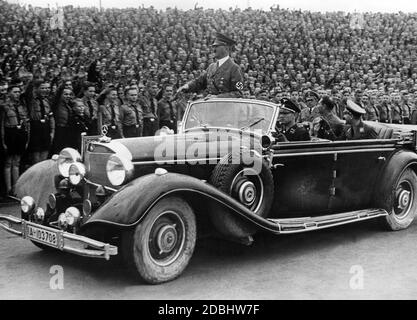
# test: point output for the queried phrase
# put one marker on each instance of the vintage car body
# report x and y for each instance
(148, 198)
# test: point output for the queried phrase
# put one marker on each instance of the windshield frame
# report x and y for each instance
(271, 126)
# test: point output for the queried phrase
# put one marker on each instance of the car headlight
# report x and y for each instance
(66, 158)
(119, 170)
(69, 218)
(27, 204)
(76, 173)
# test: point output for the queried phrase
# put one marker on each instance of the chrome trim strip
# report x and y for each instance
(161, 162)
(312, 153)
(66, 241)
(298, 225)
(6, 222)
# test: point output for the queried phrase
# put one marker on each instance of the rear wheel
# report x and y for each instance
(403, 202)
(160, 247)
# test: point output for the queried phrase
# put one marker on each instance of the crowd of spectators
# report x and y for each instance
(276, 48)
(281, 53)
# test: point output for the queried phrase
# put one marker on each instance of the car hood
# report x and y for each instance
(195, 144)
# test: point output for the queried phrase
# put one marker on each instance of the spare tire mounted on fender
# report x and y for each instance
(246, 177)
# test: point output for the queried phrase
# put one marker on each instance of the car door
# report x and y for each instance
(303, 177)
(358, 164)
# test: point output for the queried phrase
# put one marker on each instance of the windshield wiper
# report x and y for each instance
(252, 124)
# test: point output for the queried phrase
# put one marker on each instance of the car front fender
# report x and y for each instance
(38, 182)
(129, 205)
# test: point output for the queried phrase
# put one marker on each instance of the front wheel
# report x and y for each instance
(159, 248)
(403, 202)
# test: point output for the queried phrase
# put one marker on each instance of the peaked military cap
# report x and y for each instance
(289, 105)
(222, 40)
(354, 108)
(312, 94)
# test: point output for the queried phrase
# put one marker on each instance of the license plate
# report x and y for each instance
(41, 235)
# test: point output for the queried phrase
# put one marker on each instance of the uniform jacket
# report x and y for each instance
(149, 106)
(225, 81)
(109, 115)
(363, 131)
(384, 112)
(167, 111)
(308, 115)
(131, 114)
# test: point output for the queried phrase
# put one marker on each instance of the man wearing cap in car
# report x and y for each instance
(287, 128)
(223, 78)
(356, 129)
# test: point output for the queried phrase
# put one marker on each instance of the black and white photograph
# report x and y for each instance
(190, 150)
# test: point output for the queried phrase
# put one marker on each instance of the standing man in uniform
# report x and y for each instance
(372, 112)
(42, 121)
(287, 128)
(3, 99)
(167, 111)
(384, 109)
(91, 111)
(149, 104)
(131, 114)
(14, 134)
(224, 77)
(109, 115)
(356, 129)
(407, 110)
(397, 110)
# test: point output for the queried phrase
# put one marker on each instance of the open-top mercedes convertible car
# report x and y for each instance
(148, 199)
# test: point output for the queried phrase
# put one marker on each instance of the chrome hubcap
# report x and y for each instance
(403, 199)
(167, 238)
(247, 193)
(247, 187)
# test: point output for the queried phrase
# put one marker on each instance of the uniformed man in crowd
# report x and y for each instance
(78, 124)
(224, 77)
(131, 114)
(42, 121)
(91, 111)
(287, 129)
(3, 97)
(372, 112)
(14, 135)
(149, 104)
(63, 113)
(397, 109)
(406, 107)
(339, 107)
(384, 108)
(355, 128)
(109, 116)
(167, 110)
(311, 112)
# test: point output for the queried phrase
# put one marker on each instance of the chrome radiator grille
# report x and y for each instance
(96, 167)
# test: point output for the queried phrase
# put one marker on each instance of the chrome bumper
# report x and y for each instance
(66, 241)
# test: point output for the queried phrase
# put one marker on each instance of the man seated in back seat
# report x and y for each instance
(355, 128)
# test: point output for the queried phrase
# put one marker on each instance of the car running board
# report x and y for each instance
(296, 225)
